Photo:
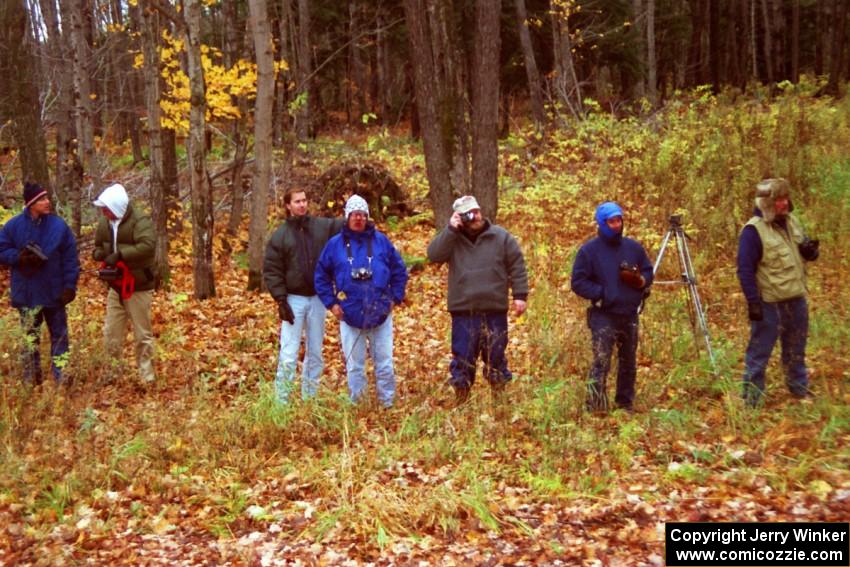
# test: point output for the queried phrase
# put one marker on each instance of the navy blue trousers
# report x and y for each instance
(484, 335)
(57, 324)
(787, 321)
(608, 330)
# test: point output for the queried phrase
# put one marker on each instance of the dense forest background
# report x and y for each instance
(207, 111)
(179, 85)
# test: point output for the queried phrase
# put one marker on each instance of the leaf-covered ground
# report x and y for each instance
(204, 468)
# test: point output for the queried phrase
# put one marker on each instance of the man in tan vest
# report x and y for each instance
(772, 253)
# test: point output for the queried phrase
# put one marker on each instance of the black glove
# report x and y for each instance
(99, 254)
(285, 311)
(68, 296)
(113, 259)
(630, 275)
(754, 310)
(29, 259)
(809, 249)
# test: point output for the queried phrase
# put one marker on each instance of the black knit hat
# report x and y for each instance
(32, 193)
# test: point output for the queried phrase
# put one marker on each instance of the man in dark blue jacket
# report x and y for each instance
(42, 253)
(359, 278)
(614, 273)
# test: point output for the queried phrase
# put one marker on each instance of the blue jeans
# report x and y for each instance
(380, 341)
(479, 334)
(310, 320)
(787, 321)
(608, 330)
(57, 324)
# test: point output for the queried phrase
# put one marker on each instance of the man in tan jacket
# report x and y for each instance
(772, 255)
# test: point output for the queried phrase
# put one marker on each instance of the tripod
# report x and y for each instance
(689, 278)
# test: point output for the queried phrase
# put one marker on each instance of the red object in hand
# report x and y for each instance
(630, 275)
(124, 283)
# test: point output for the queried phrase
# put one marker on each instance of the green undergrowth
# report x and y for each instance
(228, 452)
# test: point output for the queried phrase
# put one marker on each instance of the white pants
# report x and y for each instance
(310, 320)
(380, 341)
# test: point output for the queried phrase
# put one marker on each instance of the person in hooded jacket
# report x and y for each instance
(486, 271)
(614, 273)
(126, 235)
(288, 269)
(360, 276)
(41, 251)
(772, 253)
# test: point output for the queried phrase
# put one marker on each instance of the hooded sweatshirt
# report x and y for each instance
(596, 271)
(131, 234)
(116, 200)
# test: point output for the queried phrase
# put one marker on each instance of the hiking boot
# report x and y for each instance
(461, 396)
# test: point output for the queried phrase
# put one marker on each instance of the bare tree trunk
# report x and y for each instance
(768, 41)
(262, 141)
(639, 19)
(83, 90)
(754, 39)
(202, 210)
(795, 41)
(282, 121)
(485, 106)
(382, 70)
(839, 35)
(64, 114)
(172, 182)
(715, 53)
(566, 85)
(305, 68)
(232, 47)
(150, 29)
(651, 61)
(426, 82)
(820, 41)
(356, 80)
(535, 87)
(20, 102)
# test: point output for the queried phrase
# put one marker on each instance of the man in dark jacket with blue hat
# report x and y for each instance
(360, 276)
(41, 250)
(614, 273)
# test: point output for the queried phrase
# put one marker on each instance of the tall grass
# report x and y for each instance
(223, 447)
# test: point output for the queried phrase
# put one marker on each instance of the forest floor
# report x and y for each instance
(204, 468)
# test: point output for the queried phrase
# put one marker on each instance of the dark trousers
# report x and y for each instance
(608, 330)
(787, 321)
(57, 325)
(474, 335)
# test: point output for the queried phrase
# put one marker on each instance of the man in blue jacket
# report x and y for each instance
(772, 253)
(42, 253)
(360, 276)
(614, 273)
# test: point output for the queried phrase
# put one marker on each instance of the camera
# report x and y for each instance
(467, 217)
(36, 250)
(626, 267)
(109, 273)
(360, 274)
(676, 221)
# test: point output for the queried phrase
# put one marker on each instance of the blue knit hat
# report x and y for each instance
(604, 212)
